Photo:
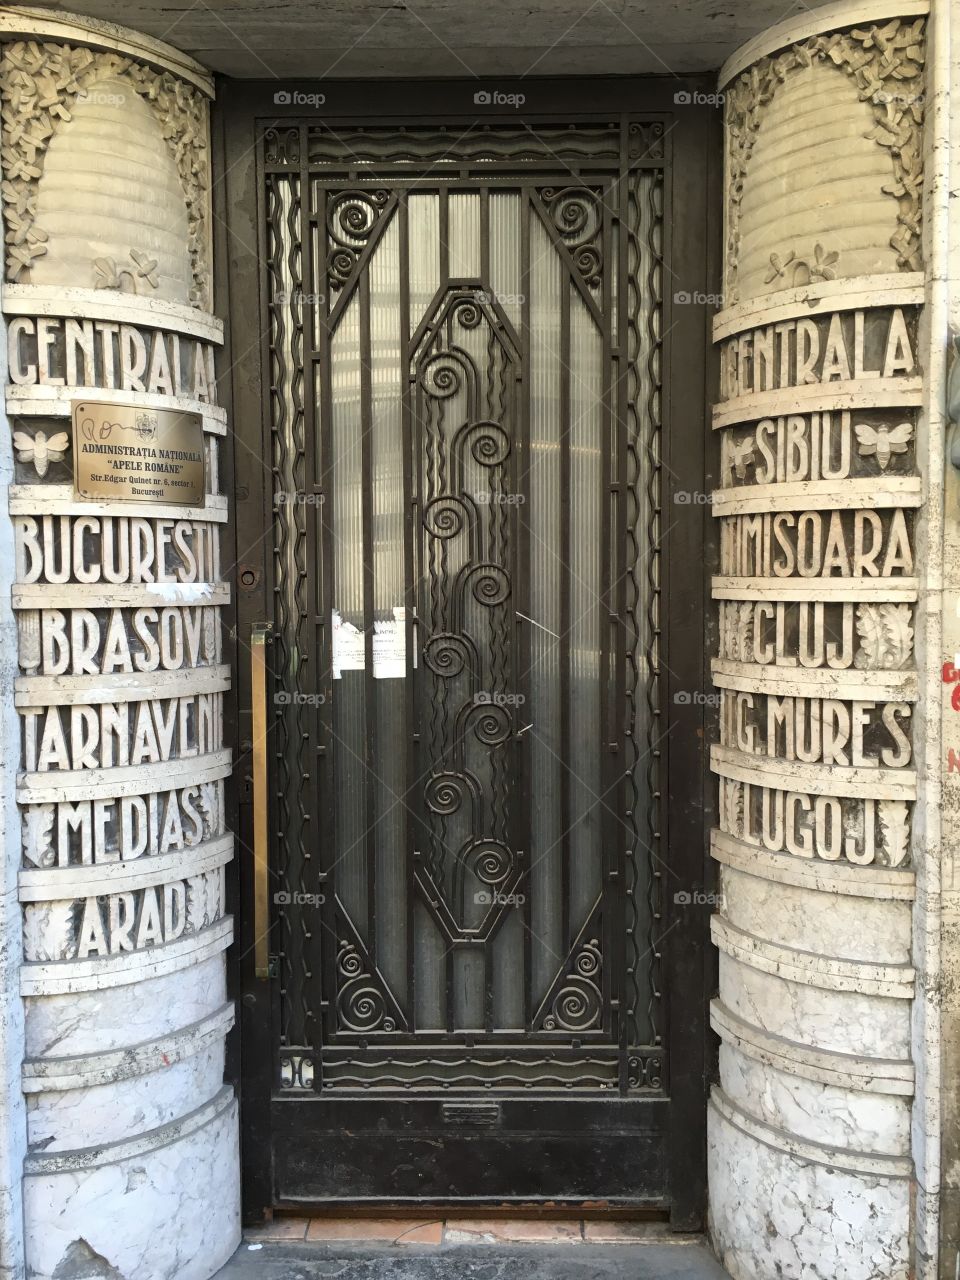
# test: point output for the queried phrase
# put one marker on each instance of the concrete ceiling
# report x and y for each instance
(267, 39)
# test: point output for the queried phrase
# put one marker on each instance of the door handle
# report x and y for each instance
(259, 637)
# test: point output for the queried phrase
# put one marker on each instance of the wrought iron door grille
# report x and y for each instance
(464, 346)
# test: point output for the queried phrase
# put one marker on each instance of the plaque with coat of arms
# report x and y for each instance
(129, 453)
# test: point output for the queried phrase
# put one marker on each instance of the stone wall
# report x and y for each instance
(120, 672)
(825, 468)
(937, 918)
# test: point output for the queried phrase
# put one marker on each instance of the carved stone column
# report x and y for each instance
(132, 1164)
(811, 1161)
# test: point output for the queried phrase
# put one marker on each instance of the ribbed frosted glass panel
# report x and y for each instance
(316, 303)
(505, 270)
(423, 253)
(346, 498)
(386, 460)
(347, 493)
(430, 960)
(468, 976)
(505, 211)
(423, 237)
(546, 582)
(508, 968)
(463, 234)
(386, 385)
(586, 576)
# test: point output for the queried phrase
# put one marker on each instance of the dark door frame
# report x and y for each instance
(689, 466)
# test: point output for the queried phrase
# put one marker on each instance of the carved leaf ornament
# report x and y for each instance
(894, 830)
(803, 270)
(48, 931)
(733, 805)
(886, 637)
(112, 275)
(742, 455)
(736, 620)
(886, 64)
(40, 85)
(38, 834)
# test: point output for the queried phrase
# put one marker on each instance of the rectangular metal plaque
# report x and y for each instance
(480, 1115)
(129, 453)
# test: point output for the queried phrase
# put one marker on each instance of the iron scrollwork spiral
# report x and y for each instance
(577, 214)
(464, 375)
(489, 583)
(446, 792)
(447, 655)
(351, 218)
(645, 1071)
(578, 1003)
(491, 723)
(361, 1005)
(468, 313)
(490, 861)
(297, 1070)
(446, 516)
(441, 375)
(489, 444)
(645, 139)
(281, 146)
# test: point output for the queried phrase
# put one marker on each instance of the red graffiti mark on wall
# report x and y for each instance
(949, 674)
(953, 761)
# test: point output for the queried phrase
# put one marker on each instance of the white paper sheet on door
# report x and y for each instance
(389, 646)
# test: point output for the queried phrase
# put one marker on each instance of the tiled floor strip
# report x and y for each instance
(426, 1231)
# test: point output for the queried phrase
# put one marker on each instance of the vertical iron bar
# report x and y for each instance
(633, 549)
(524, 632)
(266, 269)
(489, 945)
(410, 531)
(659, 839)
(620, 728)
(609, 567)
(371, 753)
(485, 238)
(566, 586)
(452, 609)
(313, 623)
(328, 811)
(299, 776)
(273, 409)
(443, 195)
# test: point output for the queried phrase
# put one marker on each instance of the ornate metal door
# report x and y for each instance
(463, 408)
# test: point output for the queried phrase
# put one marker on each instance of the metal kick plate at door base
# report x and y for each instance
(485, 1115)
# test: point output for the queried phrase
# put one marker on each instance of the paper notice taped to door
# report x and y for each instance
(349, 652)
(390, 646)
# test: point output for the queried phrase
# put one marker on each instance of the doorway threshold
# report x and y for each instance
(434, 1226)
(656, 1257)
